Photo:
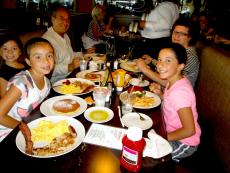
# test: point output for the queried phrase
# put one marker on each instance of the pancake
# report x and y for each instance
(66, 106)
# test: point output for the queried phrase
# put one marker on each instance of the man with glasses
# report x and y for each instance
(66, 59)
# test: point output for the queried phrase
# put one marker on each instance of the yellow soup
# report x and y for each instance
(98, 115)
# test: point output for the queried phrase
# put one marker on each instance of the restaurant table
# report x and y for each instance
(86, 158)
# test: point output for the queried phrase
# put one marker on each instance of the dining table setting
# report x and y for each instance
(79, 127)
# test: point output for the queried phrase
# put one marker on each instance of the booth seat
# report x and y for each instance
(213, 104)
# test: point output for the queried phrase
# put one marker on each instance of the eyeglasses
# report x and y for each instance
(181, 34)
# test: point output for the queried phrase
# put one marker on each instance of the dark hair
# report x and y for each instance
(193, 29)
(32, 42)
(15, 38)
(179, 51)
(56, 8)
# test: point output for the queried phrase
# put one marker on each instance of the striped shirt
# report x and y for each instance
(91, 29)
(191, 69)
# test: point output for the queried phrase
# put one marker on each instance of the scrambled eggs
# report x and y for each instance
(46, 131)
(69, 89)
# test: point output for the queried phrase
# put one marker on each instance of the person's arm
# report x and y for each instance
(6, 103)
(188, 125)
(149, 73)
(3, 84)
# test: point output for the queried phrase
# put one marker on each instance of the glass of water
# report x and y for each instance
(126, 108)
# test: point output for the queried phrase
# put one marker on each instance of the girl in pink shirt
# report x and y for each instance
(179, 103)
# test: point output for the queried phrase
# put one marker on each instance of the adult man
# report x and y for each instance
(157, 25)
(66, 58)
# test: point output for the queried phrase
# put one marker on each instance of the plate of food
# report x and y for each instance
(95, 57)
(130, 66)
(98, 114)
(52, 136)
(139, 82)
(66, 105)
(92, 75)
(73, 86)
(140, 98)
(133, 119)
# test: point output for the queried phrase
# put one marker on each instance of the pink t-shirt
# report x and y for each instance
(178, 96)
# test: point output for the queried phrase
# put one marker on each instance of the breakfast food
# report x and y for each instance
(66, 106)
(130, 66)
(89, 100)
(57, 137)
(75, 87)
(93, 76)
(138, 97)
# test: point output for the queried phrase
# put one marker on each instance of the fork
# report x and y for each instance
(140, 116)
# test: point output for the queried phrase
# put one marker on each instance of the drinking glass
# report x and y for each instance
(83, 64)
(99, 96)
(126, 108)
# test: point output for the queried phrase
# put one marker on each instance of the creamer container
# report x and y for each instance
(133, 145)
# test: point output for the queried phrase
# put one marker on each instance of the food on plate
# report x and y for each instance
(57, 135)
(98, 115)
(135, 89)
(66, 106)
(27, 135)
(130, 66)
(89, 100)
(93, 76)
(75, 87)
(138, 97)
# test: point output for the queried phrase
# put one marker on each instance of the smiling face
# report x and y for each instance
(10, 51)
(181, 35)
(168, 66)
(41, 58)
(61, 21)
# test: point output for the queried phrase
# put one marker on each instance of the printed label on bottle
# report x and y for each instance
(129, 155)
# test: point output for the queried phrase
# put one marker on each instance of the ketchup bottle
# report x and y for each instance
(133, 145)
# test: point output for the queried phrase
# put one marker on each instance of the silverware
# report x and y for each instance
(119, 113)
(140, 116)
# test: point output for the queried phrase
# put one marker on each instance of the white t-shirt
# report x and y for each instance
(63, 51)
(160, 21)
(31, 97)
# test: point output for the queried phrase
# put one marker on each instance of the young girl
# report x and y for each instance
(179, 103)
(27, 89)
(10, 51)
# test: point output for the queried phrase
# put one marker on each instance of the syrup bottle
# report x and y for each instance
(133, 146)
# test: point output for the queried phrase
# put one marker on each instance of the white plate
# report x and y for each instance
(82, 74)
(77, 125)
(130, 66)
(60, 82)
(97, 57)
(136, 82)
(124, 95)
(46, 107)
(133, 119)
(98, 118)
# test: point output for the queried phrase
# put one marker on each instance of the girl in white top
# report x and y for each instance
(27, 89)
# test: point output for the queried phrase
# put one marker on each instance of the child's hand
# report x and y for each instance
(156, 88)
(141, 64)
(147, 59)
